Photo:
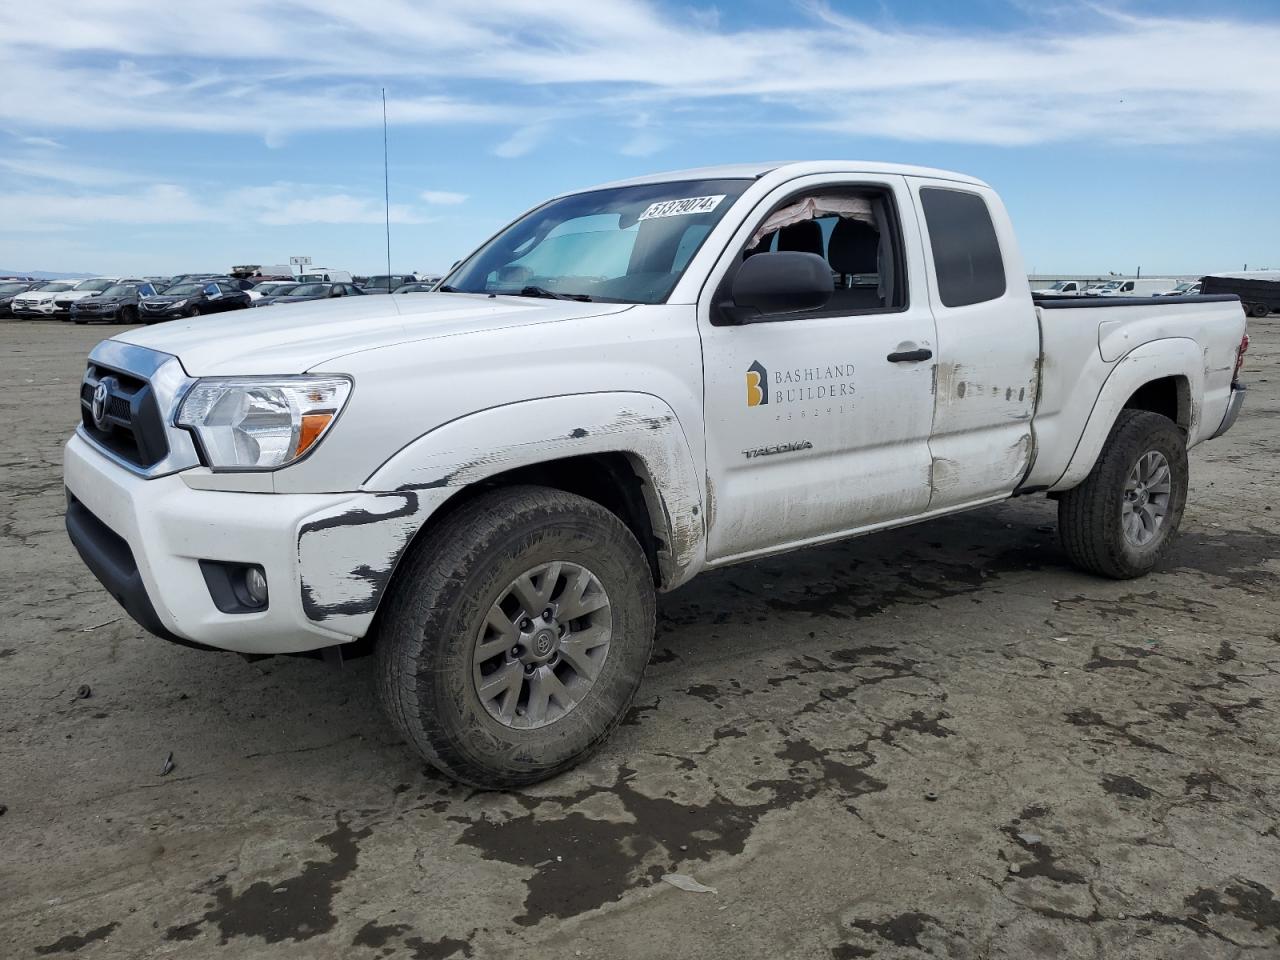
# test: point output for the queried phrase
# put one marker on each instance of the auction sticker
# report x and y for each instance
(680, 208)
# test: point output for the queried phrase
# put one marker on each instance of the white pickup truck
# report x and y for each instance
(626, 386)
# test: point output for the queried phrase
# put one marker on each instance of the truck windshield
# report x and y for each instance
(622, 245)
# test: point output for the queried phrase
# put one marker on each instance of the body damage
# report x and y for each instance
(347, 554)
(641, 426)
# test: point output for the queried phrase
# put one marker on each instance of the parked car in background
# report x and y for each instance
(1258, 290)
(383, 283)
(415, 288)
(116, 304)
(279, 289)
(11, 288)
(319, 291)
(38, 302)
(325, 275)
(273, 288)
(1138, 287)
(85, 288)
(192, 299)
(1187, 288)
(1063, 288)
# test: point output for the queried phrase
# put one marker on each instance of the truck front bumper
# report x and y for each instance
(327, 558)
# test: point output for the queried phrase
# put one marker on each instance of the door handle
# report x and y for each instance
(910, 356)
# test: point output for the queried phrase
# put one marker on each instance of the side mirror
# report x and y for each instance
(769, 284)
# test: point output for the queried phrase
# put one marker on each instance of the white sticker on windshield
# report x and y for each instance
(680, 208)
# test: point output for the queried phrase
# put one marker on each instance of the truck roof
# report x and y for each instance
(792, 168)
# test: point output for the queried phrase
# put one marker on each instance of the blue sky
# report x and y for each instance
(138, 137)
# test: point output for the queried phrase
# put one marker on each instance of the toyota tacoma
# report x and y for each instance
(628, 385)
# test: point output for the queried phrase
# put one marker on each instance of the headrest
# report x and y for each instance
(802, 237)
(854, 247)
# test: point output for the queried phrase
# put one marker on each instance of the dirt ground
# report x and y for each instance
(937, 742)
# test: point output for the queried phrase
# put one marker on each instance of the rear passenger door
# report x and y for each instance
(988, 344)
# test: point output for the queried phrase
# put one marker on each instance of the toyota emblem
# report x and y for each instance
(99, 408)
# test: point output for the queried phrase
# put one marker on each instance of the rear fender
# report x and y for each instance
(1173, 357)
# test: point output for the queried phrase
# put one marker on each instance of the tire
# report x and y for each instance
(435, 618)
(127, 315)
(1259, 310)
(1091, 517)
(194, 312)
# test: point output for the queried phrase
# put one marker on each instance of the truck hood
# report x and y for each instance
(295, 338)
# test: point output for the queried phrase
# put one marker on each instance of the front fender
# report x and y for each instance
(481, 445)
(1172, 357)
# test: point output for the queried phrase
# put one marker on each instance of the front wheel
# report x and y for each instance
(1120, 522)
(515, 636)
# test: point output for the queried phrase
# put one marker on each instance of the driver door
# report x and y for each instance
(817, 423)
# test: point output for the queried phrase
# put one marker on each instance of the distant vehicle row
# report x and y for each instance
(1137, 287)
(153, 299)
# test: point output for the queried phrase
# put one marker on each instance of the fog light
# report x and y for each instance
(255, 582)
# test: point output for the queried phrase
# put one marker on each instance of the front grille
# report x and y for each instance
(132, 426)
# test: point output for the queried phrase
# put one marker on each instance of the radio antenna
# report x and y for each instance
(386, 184)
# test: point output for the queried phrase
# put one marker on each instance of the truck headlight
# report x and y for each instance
(260, 423)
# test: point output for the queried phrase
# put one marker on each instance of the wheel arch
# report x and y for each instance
(625, 451)
(1162, 376)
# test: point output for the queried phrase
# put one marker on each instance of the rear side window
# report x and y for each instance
(966, 254)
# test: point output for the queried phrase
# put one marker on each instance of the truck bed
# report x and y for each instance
(1084, 340)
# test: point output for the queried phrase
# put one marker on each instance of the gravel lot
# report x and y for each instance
(936, 742)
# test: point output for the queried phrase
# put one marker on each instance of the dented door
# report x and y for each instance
(988, 344)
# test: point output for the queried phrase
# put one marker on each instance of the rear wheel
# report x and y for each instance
(1120, 522)
(515, 636)
(1259, 310)
(127, 315)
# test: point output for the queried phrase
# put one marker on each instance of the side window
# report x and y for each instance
(211, 289)
(855, 231)
(229, 288)
(966, 254)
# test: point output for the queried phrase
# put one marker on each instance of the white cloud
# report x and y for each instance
(268, 71)
(272, 205)
(525, 140)
(443, 197)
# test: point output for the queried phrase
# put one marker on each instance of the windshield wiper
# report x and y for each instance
(532, 291)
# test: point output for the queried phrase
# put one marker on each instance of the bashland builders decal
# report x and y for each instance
(821, 389)
(757, 385)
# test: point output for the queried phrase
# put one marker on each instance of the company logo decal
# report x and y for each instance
(802, 392)
(757, 385)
